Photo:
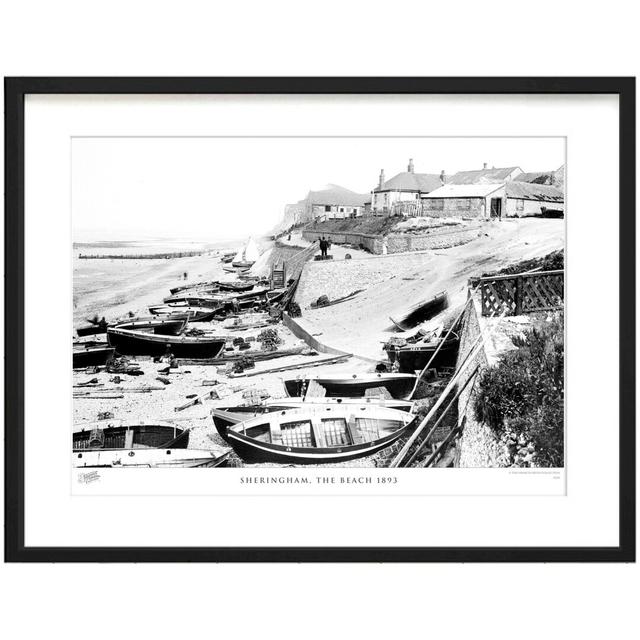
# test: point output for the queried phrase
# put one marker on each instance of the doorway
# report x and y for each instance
(496, 207)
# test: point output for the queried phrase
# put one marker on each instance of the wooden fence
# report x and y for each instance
(522, 293)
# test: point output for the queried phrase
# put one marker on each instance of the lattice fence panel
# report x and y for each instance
(542, 292)
(498, 295)
(522, 294)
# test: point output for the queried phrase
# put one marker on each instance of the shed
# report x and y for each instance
(465, 201)
(530, 199)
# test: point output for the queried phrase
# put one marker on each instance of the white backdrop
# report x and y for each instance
(251, 38)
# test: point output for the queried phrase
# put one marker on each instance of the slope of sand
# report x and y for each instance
(396, 282)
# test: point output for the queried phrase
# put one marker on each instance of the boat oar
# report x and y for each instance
(475, 349)
(435, 353)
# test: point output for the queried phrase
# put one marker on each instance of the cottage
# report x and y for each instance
(404, 191)
(465, 201)
(334, 202)
(483, 201)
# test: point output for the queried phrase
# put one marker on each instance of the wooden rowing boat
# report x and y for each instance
(157, 326)
(412, 357)
(355, 385)
(416, 357)
(184, 312)
(318, 434)
(422, 312)
(139, 343)
(115, 443)
(91, 355)
(225, 417)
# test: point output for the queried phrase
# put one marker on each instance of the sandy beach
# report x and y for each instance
(391, 284)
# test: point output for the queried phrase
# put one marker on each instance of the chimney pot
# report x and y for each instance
(484, 166)
(410, 167)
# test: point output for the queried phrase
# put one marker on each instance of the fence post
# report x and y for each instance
(518, 310)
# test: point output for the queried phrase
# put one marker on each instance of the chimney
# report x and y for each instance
(484, 166)
(381, 179)
(442, 177)
(410, 167)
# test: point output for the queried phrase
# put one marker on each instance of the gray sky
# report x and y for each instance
(222, 188)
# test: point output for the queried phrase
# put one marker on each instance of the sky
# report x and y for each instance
(229, 188)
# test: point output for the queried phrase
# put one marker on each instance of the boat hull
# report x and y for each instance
(399, 386)
(416, 359)
(130, 343)
(422, 312)
(225, 417)
(251, 450)
(149, 458)
(91, 357)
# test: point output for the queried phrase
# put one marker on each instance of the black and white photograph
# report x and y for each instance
(321, 301)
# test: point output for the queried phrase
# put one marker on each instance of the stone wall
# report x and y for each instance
(452, 207)
(438, 238)
(477, 446)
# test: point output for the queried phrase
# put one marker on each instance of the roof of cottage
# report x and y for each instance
(410, 181)
(464, 191)
(529, 191)
(483, 176)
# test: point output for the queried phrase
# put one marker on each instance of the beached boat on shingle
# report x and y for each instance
(225, 417)
(318, 434)
(91, 355)
(412, 357)
(184, 312)
(422, 311)
(356, 385)
(116, 443)
(128, 342)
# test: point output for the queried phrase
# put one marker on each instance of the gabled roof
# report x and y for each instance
(483, 176)
(334, 194)
(528, 191)
(535, 177)
(409, 181)
(464, 191)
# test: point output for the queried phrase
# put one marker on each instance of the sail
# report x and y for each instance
(239, 257)
(251, 251)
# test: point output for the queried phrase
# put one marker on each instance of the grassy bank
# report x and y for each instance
(522, 398)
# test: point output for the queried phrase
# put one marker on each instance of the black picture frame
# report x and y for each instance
(15, 91)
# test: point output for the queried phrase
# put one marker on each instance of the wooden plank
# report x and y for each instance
(196, 400)
(128, 439)
(274, 429)
(354, 430)
(291, 367)
(318, 432)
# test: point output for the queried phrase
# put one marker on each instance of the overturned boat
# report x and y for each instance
(128, 342)
(116, 443)
(225, 417)
(422, 311)
(356, 385)
(318, 434)
(91, 355)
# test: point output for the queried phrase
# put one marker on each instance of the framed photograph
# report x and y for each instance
(320, 319)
